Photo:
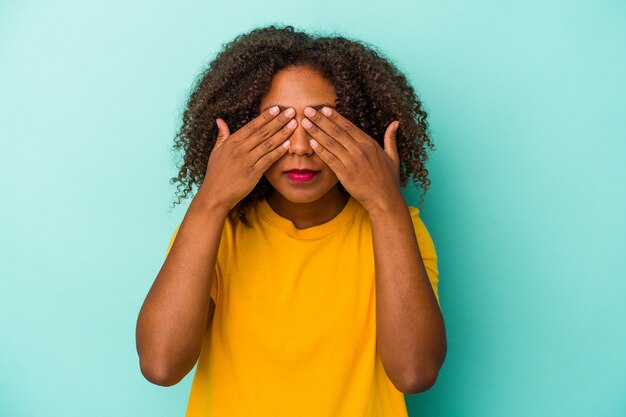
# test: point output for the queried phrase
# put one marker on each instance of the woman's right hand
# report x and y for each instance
(237, 162)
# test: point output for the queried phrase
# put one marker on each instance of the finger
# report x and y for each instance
(331, 144)
(264, 136)
(223, 131)
(271, 156)
(273, 141)
(255, 124)
(390, 141)
(331, 160)
(350, 128)
(331, 128)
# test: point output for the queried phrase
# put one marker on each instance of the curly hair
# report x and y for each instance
(370, 90)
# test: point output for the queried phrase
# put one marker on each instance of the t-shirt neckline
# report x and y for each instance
(314, 232)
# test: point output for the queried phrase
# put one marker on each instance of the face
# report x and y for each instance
(299, 87)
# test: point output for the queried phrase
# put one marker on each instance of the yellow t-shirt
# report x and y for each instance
(294, 328)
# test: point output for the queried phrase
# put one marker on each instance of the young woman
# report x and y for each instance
(298, 280)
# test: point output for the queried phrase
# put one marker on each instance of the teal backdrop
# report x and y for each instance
(526, 102)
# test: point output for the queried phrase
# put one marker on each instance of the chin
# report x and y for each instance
(302, 195)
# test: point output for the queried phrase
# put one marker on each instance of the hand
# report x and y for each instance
(237, 162)
(369, 173)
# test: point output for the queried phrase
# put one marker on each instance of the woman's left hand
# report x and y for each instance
(369, 173)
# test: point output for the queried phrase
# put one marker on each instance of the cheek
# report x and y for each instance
(273, 171)
(329, 173)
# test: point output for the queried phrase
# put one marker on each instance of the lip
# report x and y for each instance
(301, 171)
(300, 177)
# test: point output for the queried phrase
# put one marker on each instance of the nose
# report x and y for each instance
(300, 138)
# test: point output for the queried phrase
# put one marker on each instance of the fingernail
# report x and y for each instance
(274, 110)
(327, 111)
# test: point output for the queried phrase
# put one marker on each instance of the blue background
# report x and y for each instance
(526, 103)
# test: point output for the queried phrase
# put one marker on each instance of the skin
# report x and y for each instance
(410, 328)
(410, 331)
(319, 200)
(170, 325)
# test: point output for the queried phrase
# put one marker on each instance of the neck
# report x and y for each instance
(314, 213)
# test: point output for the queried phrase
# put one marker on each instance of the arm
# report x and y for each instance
(410, 328)
(174, 315)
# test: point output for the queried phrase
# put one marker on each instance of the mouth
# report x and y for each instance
(301, 175)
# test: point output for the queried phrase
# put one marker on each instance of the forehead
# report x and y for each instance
(298, 86)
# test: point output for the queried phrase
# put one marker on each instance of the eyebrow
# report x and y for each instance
(283, 107)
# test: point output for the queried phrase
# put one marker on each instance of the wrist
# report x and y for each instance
(204, 202)
(386, 204)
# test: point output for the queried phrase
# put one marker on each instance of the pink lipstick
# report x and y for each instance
(301, 175)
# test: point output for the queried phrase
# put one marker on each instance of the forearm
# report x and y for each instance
(410, 328)
(173, 318)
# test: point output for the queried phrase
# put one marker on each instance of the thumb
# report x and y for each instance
(391, 147)
(390, 141)
(223, 131)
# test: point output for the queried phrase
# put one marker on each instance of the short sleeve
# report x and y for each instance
(427, 249)
(214, 278)
(169, 247)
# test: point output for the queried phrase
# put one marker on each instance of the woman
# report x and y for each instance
(298, 277)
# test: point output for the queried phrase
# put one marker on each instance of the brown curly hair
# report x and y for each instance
(371, 92)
